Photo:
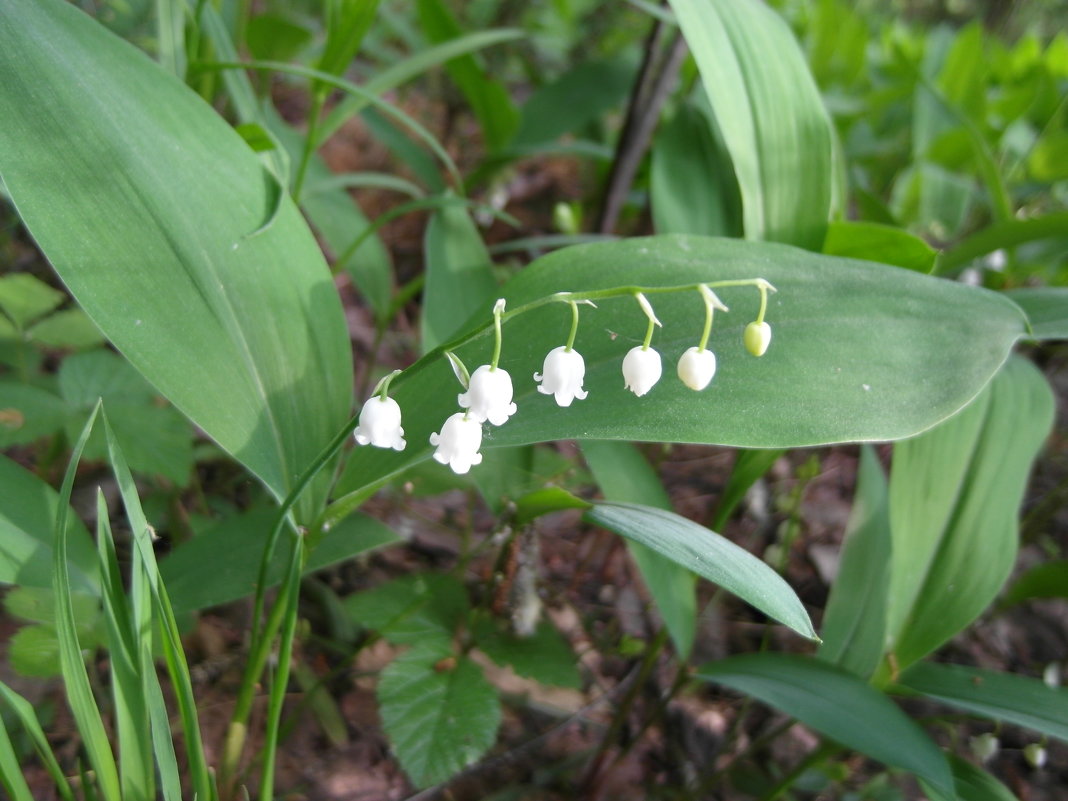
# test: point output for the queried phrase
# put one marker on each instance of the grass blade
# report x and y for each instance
(11, 778)
(28, 718)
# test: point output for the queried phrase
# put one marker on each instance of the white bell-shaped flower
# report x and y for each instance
(757, 337)
(641, 370)
(380, 424)
(562, 375)
(489, 395)
(458, 443)
(696, 368)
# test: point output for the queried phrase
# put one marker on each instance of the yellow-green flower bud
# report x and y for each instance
(757, 337)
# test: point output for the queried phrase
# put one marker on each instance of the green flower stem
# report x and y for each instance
(763, 287)
(647, 309)
(498, 312)
(314, 116)
(574, 326)
(382, 387)
(648, 335)
(711, 304)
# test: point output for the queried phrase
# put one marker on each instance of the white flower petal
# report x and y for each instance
(489, 396)
(641, 370)
(380, 424)
(562, 375)
(458, 443)
(696, 368)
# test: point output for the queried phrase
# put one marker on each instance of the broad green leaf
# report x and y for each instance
(1047, 580)
(28, 413)
(691, 184)
(955, 492)
(854, 623)
(546, 501)
(24, 298)
(999, 696)
(221, 565)
(459, 275)
(544, 656)
(440, 718)
(1049, 159)
(422, 610)
(838, 705)
(709, 555)
(837, 43)
(824, 379)
(243, 333)
(276, 36)
(488, 98)
(1046, 308)
(624, 475)
(27, 518)
(34, 651)
(770, 113)
(572, 101)
(876, 242)
(347, 22)
(933, 199)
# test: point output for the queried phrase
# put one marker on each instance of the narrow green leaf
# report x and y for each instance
(623, 474)
(709, 555)
(1046, 308)
(838, 705)
(1004, 234)
(975, 784)
(824, 379)
(440, 718)
(692, 185)
(11, 778)
(28, 511)
(1047, 580)
(164, 261)
(28, 718)
(854, 623)
(75, 678)
(347, 22)
(770, 113)
(998, 696)
(546, 501)
(489, 99)
(459, 275)
(876, 242)
(955, 492)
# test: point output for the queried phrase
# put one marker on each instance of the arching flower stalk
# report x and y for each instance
(698, 364)
(641, 366)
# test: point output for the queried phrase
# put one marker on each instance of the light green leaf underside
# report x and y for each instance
(143, 199)
(830, 374)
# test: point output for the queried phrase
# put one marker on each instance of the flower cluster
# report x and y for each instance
(489, 390)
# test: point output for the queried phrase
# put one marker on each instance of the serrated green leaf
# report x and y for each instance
(24, 298)
(544, 656)
(854, 623)
(439, 718)
(955, 493)
(998, 696)
(34, 651)
(422, 611)
(624, 474)
(28, 413)
(839, 705)
(164, 261)
(70, 328)
(27, 517)
(709, 555)
(770, 113)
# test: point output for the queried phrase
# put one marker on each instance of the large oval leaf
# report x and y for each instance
(861, 351)
(146, 202)
(838, 705)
